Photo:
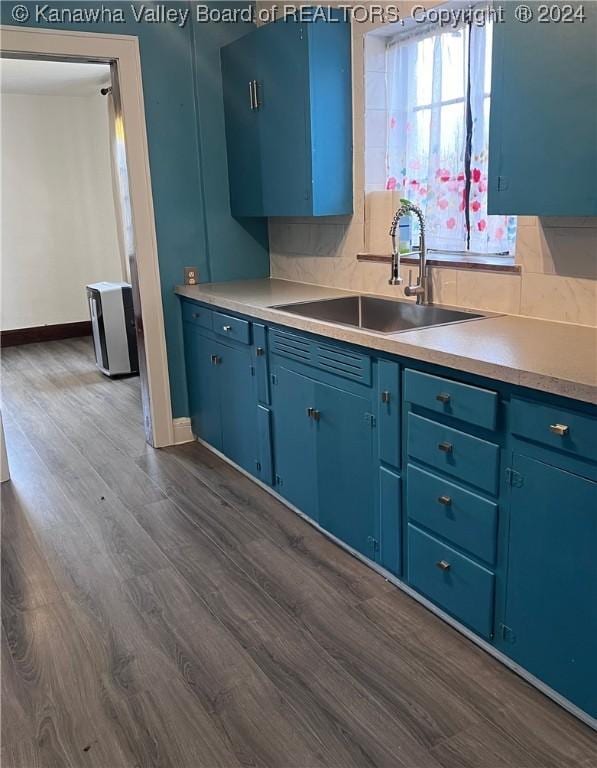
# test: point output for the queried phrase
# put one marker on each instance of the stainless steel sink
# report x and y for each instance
(382, 315)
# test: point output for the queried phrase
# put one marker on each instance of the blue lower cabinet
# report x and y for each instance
(462, 517)
(345, 467)
(456, 453)
(238, 405)
(324, 430)
(550, 623)
(389, 409)
(265, 467)
(390, 521)
(202, 356)
(261, 362)
(454, 582)
(294, 439)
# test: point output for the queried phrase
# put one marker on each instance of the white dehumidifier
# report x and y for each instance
(113, 327)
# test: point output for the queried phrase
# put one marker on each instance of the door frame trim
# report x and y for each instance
(124, 51)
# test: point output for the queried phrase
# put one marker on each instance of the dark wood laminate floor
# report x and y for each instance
(159, 609)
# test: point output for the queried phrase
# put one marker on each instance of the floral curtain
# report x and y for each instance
(438, 136)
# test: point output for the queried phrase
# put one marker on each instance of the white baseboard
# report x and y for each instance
(181, 429)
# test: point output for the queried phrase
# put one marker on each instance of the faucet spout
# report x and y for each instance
(420, 289)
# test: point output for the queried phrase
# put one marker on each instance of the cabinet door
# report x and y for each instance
(542, 148)
(239, 67)
(284, 132)
(238, 404)
(345, 468)
(294, 439)
(202, 382)
(388, 373)
(551, 609)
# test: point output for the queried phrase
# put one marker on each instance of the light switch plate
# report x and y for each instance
(191, 275)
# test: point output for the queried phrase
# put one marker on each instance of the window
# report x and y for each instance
(438, 91)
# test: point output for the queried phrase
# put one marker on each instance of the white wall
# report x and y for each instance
(58, 222)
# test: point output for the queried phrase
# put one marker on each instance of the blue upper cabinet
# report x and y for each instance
(543, 126)
(288, 110)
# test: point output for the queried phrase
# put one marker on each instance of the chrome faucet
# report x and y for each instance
(420, 288)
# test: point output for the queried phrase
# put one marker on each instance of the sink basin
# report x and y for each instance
(373, 314)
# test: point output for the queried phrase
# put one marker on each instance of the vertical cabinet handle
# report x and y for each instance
(253, 95)
(216, 359)
(385, 396)
(314, 414)
(260, 351)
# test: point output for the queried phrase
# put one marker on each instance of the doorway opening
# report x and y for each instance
(111, 234)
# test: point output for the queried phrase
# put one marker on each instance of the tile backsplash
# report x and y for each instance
(558, 258)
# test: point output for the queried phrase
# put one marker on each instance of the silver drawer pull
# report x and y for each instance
(445, 500)
(385, 396)
(445, 447)
(260, 351)
(443, 565)
(195, 315)
(216, 359)
(443, 398)
(227, 328)
(559, 429)
(310, 412)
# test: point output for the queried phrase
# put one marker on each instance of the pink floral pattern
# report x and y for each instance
(426, 145)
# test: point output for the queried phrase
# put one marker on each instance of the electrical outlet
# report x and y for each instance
(191, 275)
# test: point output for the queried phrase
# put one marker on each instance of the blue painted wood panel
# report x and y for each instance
(203, 386)
(330, 92)
(390, 533)
(389, 409)
(463, 518)
(345, 468)
(197, 315)
(232, 328)
(460, 586)
(533, 421)
(551, 608)
(542, 148)
(473, 405)
(294, 439)
(265, 469)
(238, 406)
(284, 147)
(291, 156)
(240, 66)
(261, 362)
(464, 456)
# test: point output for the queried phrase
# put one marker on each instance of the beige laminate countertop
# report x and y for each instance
(554, 357)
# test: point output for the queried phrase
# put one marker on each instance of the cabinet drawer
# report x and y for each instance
(461, 401)
(462, 517)
(457, 584)
(555, 427)
(232, 327)
(197, 315)
(468, 458)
